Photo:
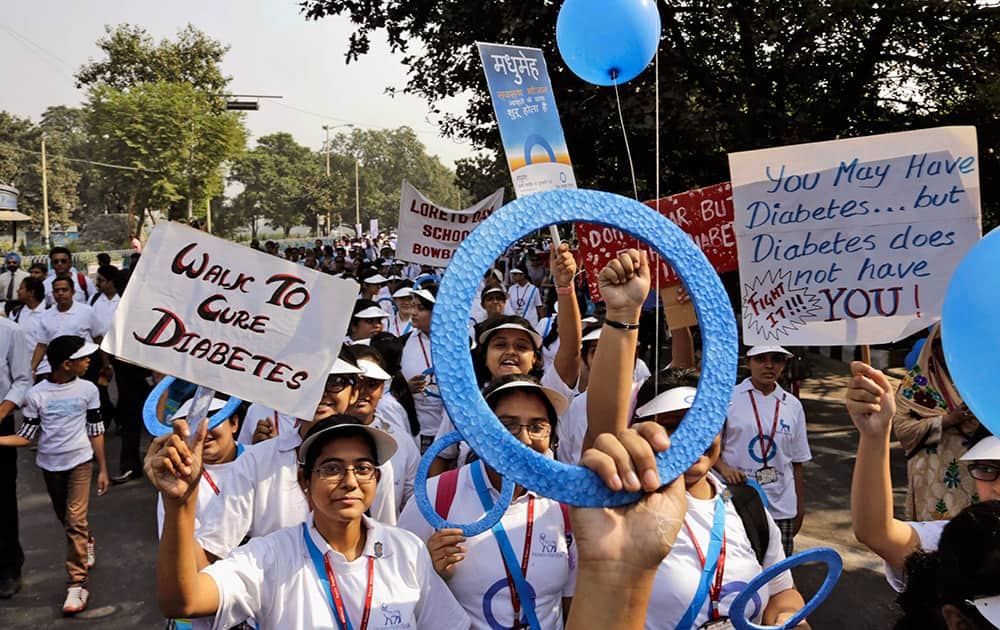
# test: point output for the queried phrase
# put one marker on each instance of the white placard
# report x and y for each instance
(232, 319)
(853, 241)
(373, 227)
(429, 234)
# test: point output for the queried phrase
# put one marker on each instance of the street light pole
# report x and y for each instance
(357, 195)
(45, 198)
(326, 148)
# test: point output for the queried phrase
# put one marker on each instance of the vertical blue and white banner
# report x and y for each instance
(525, 109)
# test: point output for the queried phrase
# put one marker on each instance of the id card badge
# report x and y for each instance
(766, 475)
(722, 623)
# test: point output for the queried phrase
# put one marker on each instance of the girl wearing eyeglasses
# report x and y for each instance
(872, 405)
(338, 569)
(537, 528)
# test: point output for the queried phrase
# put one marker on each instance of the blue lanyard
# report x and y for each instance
(506, 550)
(239, 449)
(548, 326)
(317, 559)
(711, 560)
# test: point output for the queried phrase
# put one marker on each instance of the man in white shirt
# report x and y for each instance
(524, 297)
(765, 439)
(61, 266)
(15, 381)
(28, 316)
(10, 280)
(68, 317)
(105, 300)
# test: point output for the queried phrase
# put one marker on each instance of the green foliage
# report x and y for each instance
(275, 175)
(132, 57)
(734, 76)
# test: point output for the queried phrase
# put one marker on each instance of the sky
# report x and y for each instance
(273, 50)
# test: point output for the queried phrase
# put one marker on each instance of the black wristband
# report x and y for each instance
(621, 325)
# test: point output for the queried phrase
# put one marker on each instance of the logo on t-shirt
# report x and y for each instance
(548, 546)
(392, 617)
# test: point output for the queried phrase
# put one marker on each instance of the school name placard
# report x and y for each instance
(233, 319)
(430, 234)
(853, 241)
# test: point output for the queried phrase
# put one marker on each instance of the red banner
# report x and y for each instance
(706, 214)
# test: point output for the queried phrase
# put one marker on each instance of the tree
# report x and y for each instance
(733, 76)
(132, 57)
(275, 176)
(171, 134)
(385, 157)
(21, 167)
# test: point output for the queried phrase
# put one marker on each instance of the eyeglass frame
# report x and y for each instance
(352, 469)
(348, 379)
(981, 466)
(521, 427)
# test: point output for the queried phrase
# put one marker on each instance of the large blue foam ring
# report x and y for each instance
(605, 42)
(834, 567)
(382, 301)
(535, 140)
(157, 428)
(426, 508)
(970, 329)
(420, 280)
(478, 425)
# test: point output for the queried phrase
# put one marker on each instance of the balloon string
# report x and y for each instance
(628, 151)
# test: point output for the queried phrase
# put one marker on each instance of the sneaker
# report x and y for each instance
(125, 477)
(76, 600)
(91, 557)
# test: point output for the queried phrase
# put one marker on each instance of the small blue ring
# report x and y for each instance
(575, 485)
(157, 428)
(430, 514)
(834, 564)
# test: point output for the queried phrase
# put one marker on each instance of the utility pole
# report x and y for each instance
(208, 215)
(329, 211)
(45, 199)
(357, 195)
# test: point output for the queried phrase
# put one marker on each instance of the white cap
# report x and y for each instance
(535, 337)
(989, 607)
(182, 412)
(394, 277)
(403, 292)
(557, 400)
(987, 448)
(424, 293)
(385, 445)
(372, 312)
(593, 335)
(589, 319)
(516, 270)
(493, 290)
(754, 351)
(343, 367)
(372, 370)
(87, 349)
(674, 399)
(376, 279)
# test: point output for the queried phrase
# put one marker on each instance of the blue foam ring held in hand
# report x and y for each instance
(605, 42)
(478, 425)
(157, 428)
(834, 564)
(970, 329)
(427, 508)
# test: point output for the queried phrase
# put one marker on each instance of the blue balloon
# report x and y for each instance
(608, 41)
(970, 329)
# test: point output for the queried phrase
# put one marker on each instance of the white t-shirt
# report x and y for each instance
(480, 581)
(417, 359)
(392, 412)
(219, 475)
(273, 580)
(282, 423)
(572, 429)
(403, 462)
(266, 497)
(104, 309)
(525, 301)
(30, 321)
(544, 327)
(79, 320)
(678, 575)
(56, 414)
(929, 533)
(741, 446)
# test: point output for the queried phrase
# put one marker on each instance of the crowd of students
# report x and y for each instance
(280, 522)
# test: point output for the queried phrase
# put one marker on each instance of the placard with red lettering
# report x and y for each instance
(706, 214)
(232, 319)
(853, 241)
(430, 234)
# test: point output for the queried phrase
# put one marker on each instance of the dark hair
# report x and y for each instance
(40, 266)
(390, 347)
(489, 286)
(479, 354)
(431, 288)
(585, 345)
(493, 401)
(121, 280)
(361, 351)
(68, 279)
(35, 287)
(62, 348)
(965, 566)
(310, 456)
(664, 380)
(104, 258)
(108, 272)
(61, 250)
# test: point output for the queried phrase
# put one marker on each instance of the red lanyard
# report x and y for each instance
(714, 591)
(514, 599)
(765, 449)
(208, 478)
(338, 602)
(427, 359)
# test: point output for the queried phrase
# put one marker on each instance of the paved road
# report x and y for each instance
(124, 522)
